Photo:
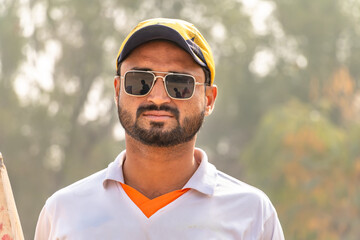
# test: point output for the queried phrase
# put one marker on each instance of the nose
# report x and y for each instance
(158, 94)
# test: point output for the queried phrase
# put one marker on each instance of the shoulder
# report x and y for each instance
(248, 204)
(91, 186)
(81, 189)
(230, 184)
(243, 194)
(225, 187)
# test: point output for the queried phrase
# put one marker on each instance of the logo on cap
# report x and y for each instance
(196, 49)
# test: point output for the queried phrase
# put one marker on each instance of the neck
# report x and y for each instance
(155, 171)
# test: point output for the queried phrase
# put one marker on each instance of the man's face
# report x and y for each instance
(156, 119)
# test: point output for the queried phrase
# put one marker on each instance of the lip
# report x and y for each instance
(157, 115)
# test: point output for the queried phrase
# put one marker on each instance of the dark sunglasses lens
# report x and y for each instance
(180, 86)
(138, 83)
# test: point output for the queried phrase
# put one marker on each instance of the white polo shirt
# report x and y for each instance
(217, 206)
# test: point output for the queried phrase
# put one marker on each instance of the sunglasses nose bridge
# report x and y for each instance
(157, 76)
(158, 93)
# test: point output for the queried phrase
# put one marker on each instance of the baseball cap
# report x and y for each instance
(183, 33)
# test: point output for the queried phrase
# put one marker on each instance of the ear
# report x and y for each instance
(210, 95)
(117, 83)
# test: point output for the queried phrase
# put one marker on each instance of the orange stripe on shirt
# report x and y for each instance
(151, 206)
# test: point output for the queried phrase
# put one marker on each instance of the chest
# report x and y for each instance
(191, 216)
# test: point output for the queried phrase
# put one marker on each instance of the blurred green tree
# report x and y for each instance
(304, 162)
(303, 151)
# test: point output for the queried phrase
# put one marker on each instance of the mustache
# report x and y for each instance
(174, 111)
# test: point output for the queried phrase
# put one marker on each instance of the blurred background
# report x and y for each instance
(287, 117)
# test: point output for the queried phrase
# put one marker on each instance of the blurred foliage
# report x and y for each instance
(286, 119)
(311, 168)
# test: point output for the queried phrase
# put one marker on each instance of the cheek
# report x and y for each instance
(127, 102)
(194, 107)
(198, 101)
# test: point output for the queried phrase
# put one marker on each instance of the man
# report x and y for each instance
(161, 187)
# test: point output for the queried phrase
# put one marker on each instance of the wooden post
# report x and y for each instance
(10, 227)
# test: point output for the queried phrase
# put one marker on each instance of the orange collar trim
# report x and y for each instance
(151, 206)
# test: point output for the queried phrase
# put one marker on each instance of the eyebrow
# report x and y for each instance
(141, 69)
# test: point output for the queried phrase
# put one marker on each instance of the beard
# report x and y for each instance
(156, 135)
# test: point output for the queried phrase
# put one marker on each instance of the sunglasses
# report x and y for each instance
(178, 86)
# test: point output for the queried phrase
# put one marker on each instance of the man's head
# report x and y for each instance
(160, 57)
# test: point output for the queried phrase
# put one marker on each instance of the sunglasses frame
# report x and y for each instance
(163, 79)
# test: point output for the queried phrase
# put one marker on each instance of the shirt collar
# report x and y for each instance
(203, 180)
(114, 171)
